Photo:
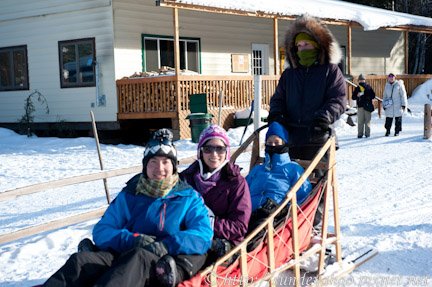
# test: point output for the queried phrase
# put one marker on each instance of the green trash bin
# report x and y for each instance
(198, 123)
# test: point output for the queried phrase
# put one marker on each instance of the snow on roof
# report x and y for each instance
(368, 17)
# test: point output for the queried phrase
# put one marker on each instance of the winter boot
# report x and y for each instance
(330, 257)
(167, 272)
(387, 133)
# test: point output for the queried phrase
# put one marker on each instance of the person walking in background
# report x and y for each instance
(311, 93)
(394, 103)
(156, 232)
(224, 189)
(364, 95)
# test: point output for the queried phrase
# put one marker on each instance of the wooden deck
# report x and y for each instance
(168, 96)
(156, 97)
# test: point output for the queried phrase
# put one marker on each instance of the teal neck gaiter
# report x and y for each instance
(307, 57)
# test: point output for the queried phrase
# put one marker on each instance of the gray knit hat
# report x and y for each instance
(160, 145)
(361, 78)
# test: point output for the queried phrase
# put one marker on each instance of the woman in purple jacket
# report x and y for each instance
(224, 189)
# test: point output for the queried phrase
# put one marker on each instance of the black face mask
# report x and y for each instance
(278, 149)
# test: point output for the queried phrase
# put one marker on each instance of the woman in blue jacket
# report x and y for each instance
(270, 182)
(155, 232)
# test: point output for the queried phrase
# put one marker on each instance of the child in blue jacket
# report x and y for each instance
(156, 231)
(270, 182)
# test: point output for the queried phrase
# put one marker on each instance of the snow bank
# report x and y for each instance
(422, 94)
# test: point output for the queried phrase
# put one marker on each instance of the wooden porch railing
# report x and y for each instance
(156, 97)
(377, 82)
(158, 94)
(237, 91)
(143, 97)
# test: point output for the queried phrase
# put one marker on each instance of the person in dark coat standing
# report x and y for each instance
(364, 95)
(311, 93)
(156, 232)
(224, 189)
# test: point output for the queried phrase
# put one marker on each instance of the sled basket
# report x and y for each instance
(287, 234)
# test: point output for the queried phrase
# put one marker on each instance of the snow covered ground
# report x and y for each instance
(384, 183)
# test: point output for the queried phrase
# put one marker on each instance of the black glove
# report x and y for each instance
(319, 131)
(267, 208)
(276, 118)
(87, 245)
(320, 125)
(221, 246)
(143, 240)
(158, 248)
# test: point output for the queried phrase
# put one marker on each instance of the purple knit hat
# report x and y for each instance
(214, 132)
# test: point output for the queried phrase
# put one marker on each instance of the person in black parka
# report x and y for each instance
(311, 93)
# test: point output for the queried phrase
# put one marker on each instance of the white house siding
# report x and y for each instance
(377, 52)
(40, 26)
(220, 35)
(131, 20)
(230, 35)
(223, 35)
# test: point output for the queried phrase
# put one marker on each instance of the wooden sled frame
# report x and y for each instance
(210, 274)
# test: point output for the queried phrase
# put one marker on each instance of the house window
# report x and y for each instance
(257, 63)
(77, 63)
(159, 51)
(13, 69)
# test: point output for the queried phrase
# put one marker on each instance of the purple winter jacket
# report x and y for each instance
(227, 195)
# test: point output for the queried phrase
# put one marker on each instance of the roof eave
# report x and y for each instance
(262, 14)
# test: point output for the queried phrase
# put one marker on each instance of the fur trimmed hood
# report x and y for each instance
(330, 51)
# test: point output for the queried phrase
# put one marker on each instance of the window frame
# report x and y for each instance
(343, 63)
(12, 73)
(257, 62)
(260, 63)
(183, 40)
(79, 83)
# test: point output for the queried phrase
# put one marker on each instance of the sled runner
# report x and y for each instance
(287, 233)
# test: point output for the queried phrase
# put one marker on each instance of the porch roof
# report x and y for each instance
(340, 12)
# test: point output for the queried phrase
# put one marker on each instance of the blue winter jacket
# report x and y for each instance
(273, 180)
(180, 220)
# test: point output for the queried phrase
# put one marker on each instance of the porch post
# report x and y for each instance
(427, 121)
(276, 46)
(406, 54)
(349, 49)
(348, 58)
(175, 122)
(176, 42)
